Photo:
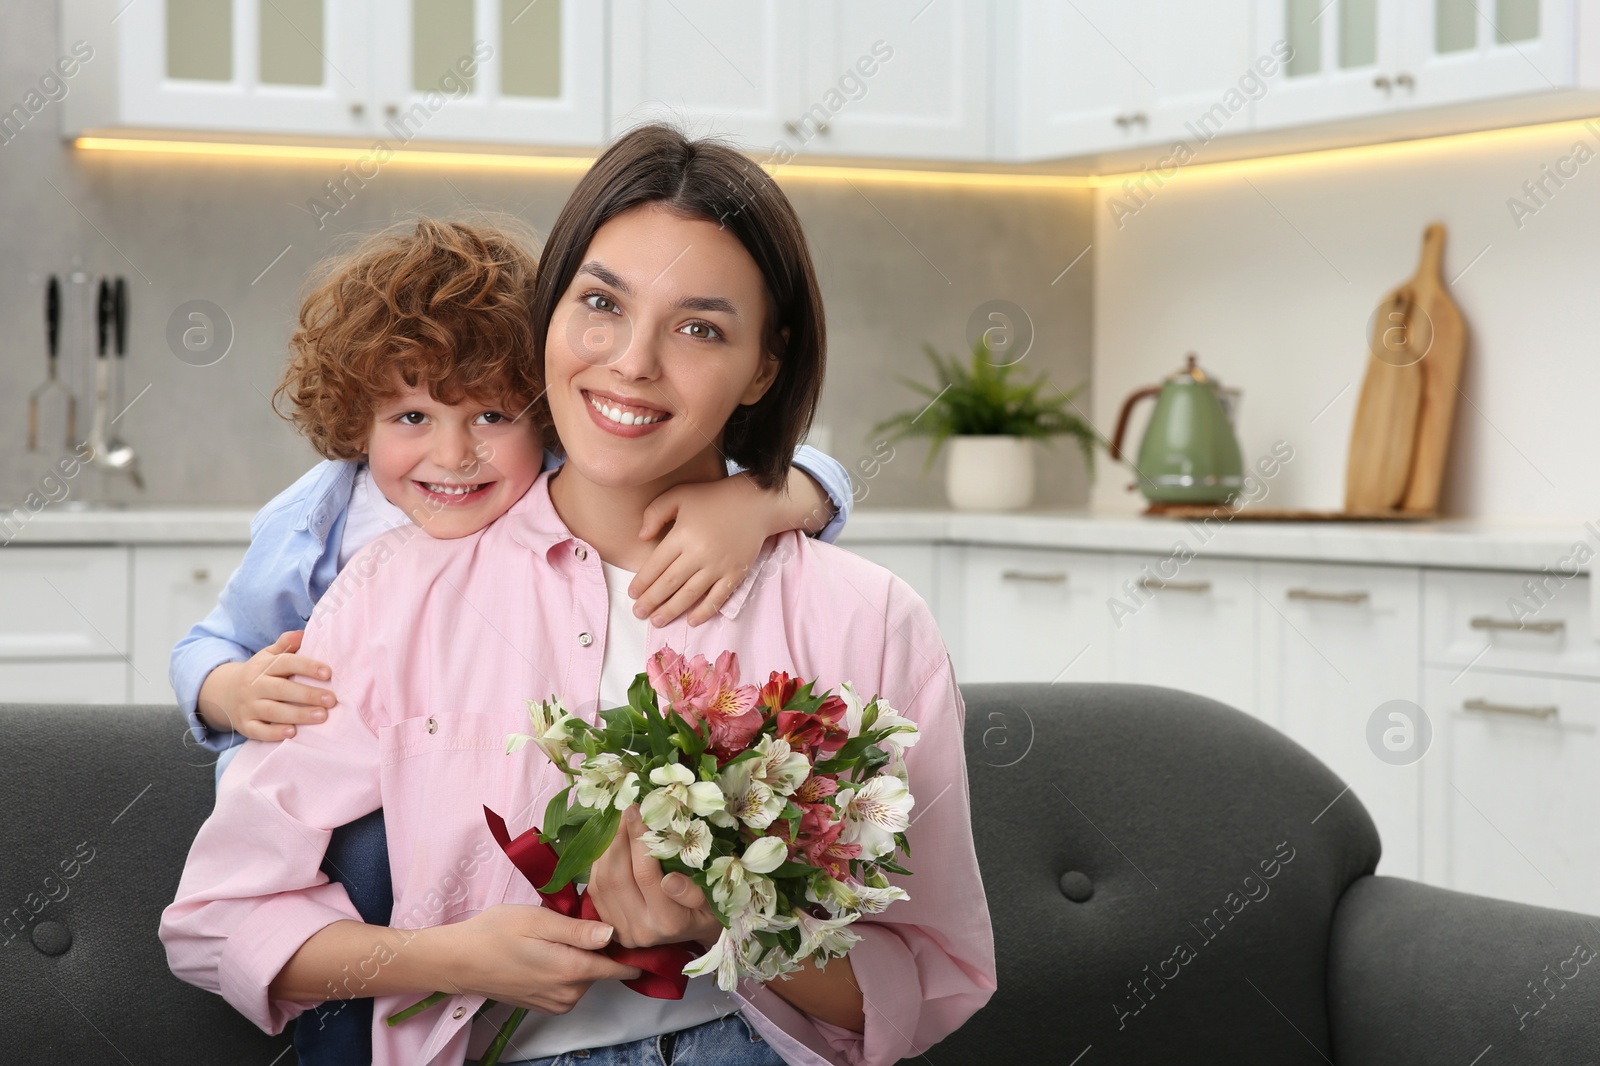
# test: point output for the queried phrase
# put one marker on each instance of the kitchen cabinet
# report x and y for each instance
(98, 681)
(1191, 627)
(504, 71)
(1536, 623)
(1070, 85)
(1338, 644)
(1512, 788)
(66, 603)
(1034, 615)
(1353, 58)
(174, 586)
(726, 68)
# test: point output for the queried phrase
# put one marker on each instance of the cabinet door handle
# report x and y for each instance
(1486, 706)
(1058, 577)
(1358, 596)
(1483, 621)
(358, 109)
(1139, 117)
(1176, 586)
(1382, 82)
(201, 575)
(1405, 81)
(1123, 121)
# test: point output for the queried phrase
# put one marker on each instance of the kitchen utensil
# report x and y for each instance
(1189, 453)
(97, 422)
(1385, 430)
(119, 454)
(52, 382)
(1441, 374)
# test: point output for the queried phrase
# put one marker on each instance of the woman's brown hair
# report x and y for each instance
(656, 164)
(445, 305)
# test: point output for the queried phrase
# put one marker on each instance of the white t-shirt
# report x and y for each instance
(370, 514)
(610, 1012)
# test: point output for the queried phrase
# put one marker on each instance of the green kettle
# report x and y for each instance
(1189, 453)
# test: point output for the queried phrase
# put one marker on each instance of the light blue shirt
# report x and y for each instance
(294, 556)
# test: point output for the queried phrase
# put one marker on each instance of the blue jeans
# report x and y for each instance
(725, 1041)
(339, 1032)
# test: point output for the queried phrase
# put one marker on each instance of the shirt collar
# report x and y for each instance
(536, 525)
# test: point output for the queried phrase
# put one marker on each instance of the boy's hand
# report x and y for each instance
(256, 697)
(718, 528)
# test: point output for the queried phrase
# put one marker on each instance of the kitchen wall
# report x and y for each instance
(1272, 273)
(900, 265)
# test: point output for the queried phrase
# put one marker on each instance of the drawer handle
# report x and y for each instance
(1483, 621)
(1176, 586)
(201, 575)
(1059, 577)
(1549, 711)
(1316, 596)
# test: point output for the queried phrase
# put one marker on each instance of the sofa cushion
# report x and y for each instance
(1162, 872)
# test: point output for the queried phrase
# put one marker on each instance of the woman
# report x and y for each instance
(682, 323)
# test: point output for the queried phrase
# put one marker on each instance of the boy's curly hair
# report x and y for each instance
(444, 304)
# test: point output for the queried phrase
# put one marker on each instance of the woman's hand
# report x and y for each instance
(526, 956)
(718, 528)
(256, 697)
(630, 893)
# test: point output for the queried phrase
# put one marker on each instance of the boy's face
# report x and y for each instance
(453, 468)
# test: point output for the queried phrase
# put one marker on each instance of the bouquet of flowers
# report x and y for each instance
(787, 807)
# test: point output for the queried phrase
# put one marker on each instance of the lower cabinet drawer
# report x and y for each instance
(63, 602)
(1505, 621)
(1512, 789)
(64, 681)
(1034, 615)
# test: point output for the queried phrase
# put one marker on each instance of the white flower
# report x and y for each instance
(723, 958)
(853, 711)
(778, 766)
(678, 797)
(830, 936)
(774, 963)
(691, 845)
(873, 813)
(904, 736)
(842, 897)
(605, 780)
(750, 801)
(737, 953)
(550, 723)
(730, 876)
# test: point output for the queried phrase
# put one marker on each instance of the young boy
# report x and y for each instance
(413, 374)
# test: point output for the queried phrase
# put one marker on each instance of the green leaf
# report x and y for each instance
(590, 843)
(643, 699)
(555, 815)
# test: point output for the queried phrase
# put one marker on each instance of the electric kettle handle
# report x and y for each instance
(1122, 419)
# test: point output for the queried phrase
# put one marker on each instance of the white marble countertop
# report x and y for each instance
(1502, 544)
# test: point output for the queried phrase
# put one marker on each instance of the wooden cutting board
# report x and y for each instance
(1385, 430)
(1441, 375)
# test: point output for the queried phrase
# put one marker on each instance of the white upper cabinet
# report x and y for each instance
(726, 68)
(1194, 69)
(904, 78)
(1070, 83)
(259, 66)
(510, 71)
(1361, 57)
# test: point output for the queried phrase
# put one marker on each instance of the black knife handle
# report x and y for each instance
(52, 315)
(103, 315)
(119, 321)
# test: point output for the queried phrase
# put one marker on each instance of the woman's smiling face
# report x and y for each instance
(658, 338)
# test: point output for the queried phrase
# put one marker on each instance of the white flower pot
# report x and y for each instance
(989, 473)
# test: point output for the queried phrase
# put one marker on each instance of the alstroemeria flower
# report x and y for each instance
(874, 812)
(829, 935)
(750, 801)
(816, 788)
(730, 708)
(730, 875)
(851, 720)
(605, 780)
(678, 798)
(680, 682)
(779, 690)
(691, 845)
(904, 736)
(778, 766)
(845, 897)
(549, 722)
(820, 734)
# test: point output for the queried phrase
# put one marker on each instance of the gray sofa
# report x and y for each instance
(1167, 882)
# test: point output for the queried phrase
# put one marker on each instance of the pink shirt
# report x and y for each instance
(435, 645)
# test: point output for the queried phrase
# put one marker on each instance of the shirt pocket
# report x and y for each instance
(439, 773)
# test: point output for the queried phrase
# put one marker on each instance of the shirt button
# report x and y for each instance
(581, 553)
(458, 1012)
(585, 639)
(433, 725)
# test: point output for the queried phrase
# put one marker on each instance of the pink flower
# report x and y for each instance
(680, 682)
(816, 788)
(821, 847)
(729, 708)
(814, 733)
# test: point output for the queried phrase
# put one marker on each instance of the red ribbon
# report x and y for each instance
(662, 966)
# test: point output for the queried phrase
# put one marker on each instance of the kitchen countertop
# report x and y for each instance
(1486, 544)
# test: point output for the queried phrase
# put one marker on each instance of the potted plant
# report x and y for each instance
(991, 423)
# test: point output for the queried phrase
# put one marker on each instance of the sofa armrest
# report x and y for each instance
(1425, 976)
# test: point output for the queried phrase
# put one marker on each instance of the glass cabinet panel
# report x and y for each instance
(1516, 20)
(1300, 22)
(291, 42)
(441, 37)
(200, 40)
(1358, 33)
(1455, 25)
(530, 48)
